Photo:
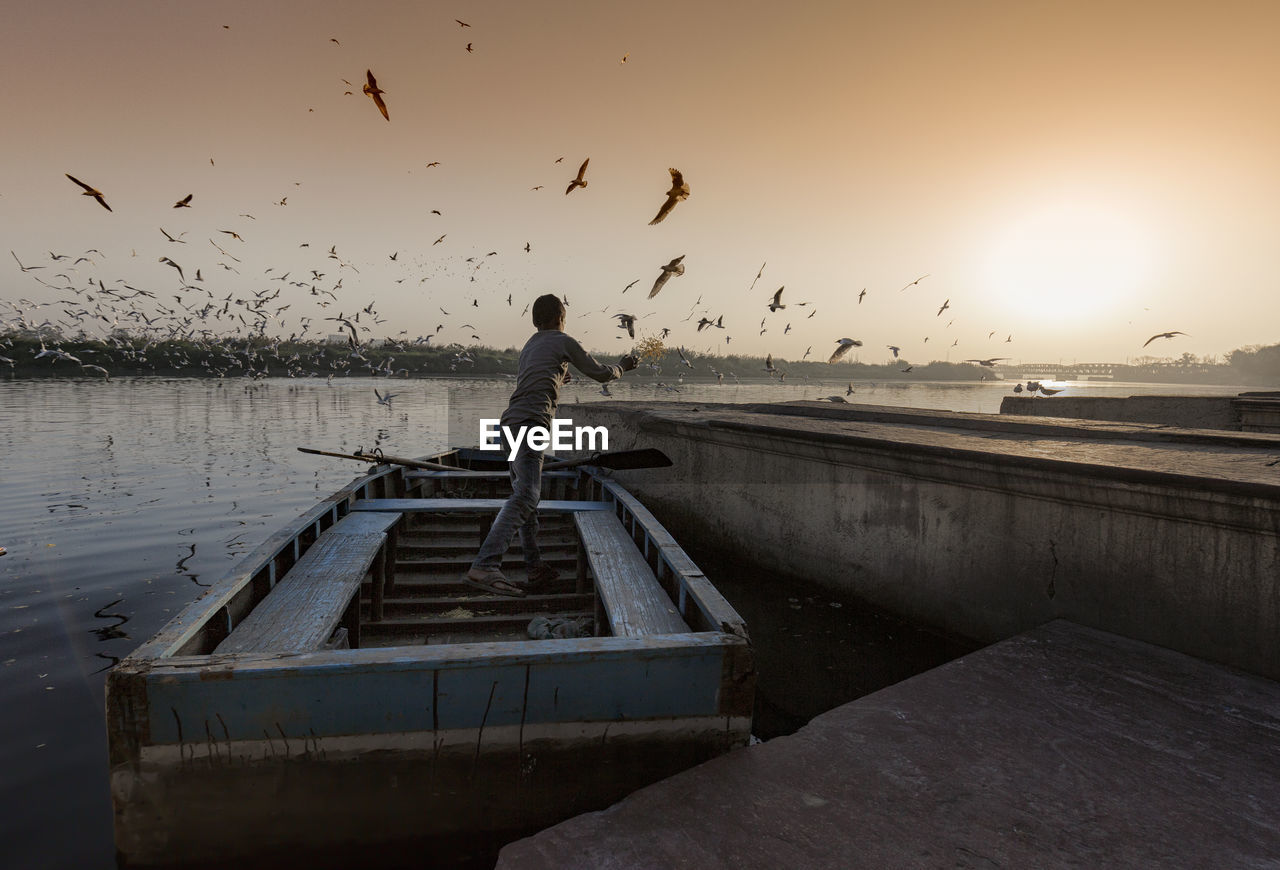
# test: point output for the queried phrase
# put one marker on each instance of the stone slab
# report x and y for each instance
(1061, 747)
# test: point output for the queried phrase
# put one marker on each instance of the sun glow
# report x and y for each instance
(1072, 260)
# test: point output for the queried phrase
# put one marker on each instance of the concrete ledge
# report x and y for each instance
(976, 524)
(1063, 747)
(1191, 412)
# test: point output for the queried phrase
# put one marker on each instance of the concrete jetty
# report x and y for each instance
(983, 525)
(1061, 747)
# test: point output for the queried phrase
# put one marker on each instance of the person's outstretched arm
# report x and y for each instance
(586, 363)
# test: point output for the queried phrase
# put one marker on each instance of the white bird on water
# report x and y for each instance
(384, 399)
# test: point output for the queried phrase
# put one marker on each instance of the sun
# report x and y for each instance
(1071, 260)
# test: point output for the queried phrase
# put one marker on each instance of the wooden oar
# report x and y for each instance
(379, 459)
(649, 457)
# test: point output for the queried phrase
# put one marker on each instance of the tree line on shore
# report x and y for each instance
(30, 354)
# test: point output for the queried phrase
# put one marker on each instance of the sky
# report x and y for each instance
(1072, 178)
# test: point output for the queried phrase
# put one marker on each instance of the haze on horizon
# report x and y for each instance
(1076, 177)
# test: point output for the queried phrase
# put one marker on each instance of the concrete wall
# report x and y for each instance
(982, 543)
(1190, 412)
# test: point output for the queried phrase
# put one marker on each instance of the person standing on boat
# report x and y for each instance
(543, 369)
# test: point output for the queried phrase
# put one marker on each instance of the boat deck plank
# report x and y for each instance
(470, 505)
(305, 607)
(633, 601)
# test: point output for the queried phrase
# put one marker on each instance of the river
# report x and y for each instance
(125, 499)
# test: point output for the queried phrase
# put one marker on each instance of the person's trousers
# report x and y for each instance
(520, 512)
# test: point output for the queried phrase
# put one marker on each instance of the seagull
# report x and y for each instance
(579, 181)
(185, 202)
(915, 282)
(624, 289)
(860, 295)
(684, 360)
(842, 347)
(384, 400)
(462, 23)
(22, 267)
(989, 363)
(371, 88)
(894, 348)
(169, 262)
(768, 364)
(679, 191)
(1162, 335)
(777, 297)
(675, 267)
(627, 322)
(469, 48)
(90, 191)
(840, 400)
(172, 239)
(849, 391)
(945, 306)
(1049, 392)
(1018, 388)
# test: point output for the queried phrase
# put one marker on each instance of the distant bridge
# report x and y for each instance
(1078, 371)
(1062, 371)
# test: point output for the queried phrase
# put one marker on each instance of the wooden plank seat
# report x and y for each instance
(632, 601)
(484, 475)
(470, 505)
(320, 591)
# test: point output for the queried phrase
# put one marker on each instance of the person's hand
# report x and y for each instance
(628, 362)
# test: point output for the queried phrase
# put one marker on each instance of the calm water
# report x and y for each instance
(123, 500)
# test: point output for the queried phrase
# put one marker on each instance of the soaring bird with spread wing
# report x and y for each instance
(679, 191)
(371, 88)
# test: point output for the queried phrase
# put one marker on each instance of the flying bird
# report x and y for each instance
(842, 347)
(469, 48)
(915, 282)
(989, 363)
(579, 181)
(860, 295)
(169, 262)
(371, 88)
(462, 23)
(894, 348)
(945, 306)
(675, 267)
(777, 299)
(89, 191)
(1162, 335)
(627, 322)
(679, 191)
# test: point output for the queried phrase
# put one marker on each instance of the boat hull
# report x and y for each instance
(391, 750)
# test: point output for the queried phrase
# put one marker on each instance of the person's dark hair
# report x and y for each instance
(547, 311)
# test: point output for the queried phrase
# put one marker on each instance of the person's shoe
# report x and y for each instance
(492, 580)
(542, 575)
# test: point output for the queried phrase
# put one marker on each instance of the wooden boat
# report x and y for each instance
(245, 730)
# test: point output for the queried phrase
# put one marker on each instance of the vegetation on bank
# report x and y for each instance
(28, 354)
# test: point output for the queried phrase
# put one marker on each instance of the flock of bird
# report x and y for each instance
(218, 321)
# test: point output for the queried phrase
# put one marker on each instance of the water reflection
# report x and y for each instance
(110, 632)
(209, 469)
